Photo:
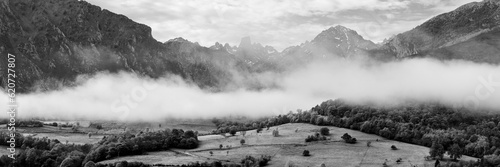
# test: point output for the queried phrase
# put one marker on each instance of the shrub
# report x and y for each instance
(393, 147)
(324, 131)
(306, 153)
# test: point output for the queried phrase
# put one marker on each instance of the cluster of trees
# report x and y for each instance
(28, 123)
(457, 131)
(315, 137)
(128, 144)
(324, 131)
(348, 138)
(52, 153)
(250, 161)
(140, 164)
(43, 152)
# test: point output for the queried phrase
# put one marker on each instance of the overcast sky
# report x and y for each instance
(278, 23)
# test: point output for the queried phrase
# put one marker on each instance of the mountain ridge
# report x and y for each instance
(57, 40)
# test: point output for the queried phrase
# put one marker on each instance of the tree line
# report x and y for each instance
(52, 153)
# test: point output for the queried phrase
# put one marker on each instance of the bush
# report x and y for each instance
(393, 147)
(324, 131)
(259, 130)
(306, 153)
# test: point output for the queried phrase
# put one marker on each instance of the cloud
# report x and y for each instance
(127, 96)
(226, 21)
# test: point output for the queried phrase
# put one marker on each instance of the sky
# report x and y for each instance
(277, 23)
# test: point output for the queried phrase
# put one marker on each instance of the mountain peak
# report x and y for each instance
(179, 39)
(245, 42)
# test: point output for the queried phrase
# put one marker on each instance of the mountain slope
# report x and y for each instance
(57, 40)
(444, 35)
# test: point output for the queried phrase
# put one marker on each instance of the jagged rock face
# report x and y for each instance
(439, 36)
(253, 56)
(342, 41)
(56, 40)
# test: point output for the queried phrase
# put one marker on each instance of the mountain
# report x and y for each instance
(54, 41)
(470, 32)
(334, 42)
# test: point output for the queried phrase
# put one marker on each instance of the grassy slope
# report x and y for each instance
(289, 145)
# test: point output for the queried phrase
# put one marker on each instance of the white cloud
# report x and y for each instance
(130, 97)
(224, 21)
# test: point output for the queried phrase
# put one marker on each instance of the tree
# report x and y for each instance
(221, 146)
(232, 131)
(386, 133)
(393, 147)
(259, 130)
(276, 133)
(368, 144)
(211, 153)
(242, 141)
(216, 164)
(319, 121)
(306, 153)
(121, 164)
(455, 151)
(90, 134)
(75, 128)
(71, 162)
(324, 131)
(437, 150)
(348, 139)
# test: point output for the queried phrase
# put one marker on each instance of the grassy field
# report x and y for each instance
(288, 148)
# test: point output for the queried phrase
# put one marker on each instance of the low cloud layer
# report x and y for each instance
(127, 96)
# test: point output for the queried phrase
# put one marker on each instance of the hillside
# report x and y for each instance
(472, 26)
(56, 40)
(287, 148)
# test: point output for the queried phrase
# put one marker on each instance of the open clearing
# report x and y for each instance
(288, 148)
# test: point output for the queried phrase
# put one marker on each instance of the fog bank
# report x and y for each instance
(126, 96)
